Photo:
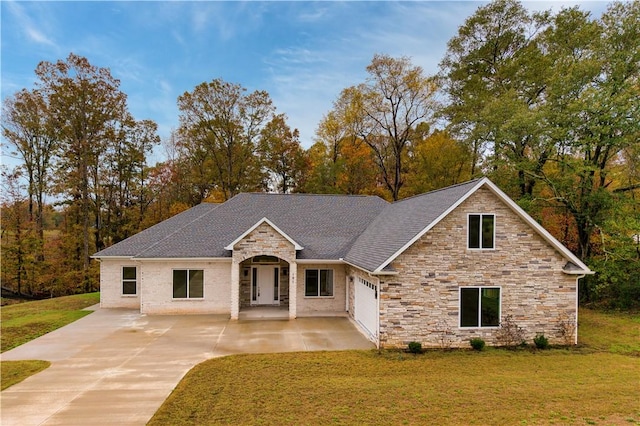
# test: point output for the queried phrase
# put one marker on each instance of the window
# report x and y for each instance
(129, 280)
(479, 306)
(318, 282)
(481, 231)
(188, 284)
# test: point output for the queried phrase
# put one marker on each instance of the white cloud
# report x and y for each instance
(30, 28)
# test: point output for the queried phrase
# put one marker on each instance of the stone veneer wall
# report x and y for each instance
(264, 240)
(245, 283)
(534, 290)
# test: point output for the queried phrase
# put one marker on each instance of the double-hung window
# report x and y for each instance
(479, 306)
(318, 283)
(188, 283)
(129, 281)
(481, 231)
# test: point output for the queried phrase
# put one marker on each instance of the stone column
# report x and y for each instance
(235, 289)
(293, 289)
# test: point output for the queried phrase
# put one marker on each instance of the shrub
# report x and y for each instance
(541, 342)
(415, 347)
(477, 343)
(568, 325)
(444, 333)
(509, 334)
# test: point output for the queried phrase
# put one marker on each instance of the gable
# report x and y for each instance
(404, 222)
(262, 222)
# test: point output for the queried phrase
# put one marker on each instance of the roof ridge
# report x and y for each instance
(216, 205)
(308, 194)
(439, 190)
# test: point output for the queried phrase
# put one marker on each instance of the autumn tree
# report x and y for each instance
(86, 105)
(219, 129)
(437, 161)
(26, 125)
(15, 250)
(384, 112)
(123, 196)
(282, 156)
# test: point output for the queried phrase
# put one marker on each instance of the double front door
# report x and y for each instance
(265, 285)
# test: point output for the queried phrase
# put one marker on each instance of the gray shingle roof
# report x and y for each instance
(365, 231)
(152, 235)
(325, 225)
(400, 222)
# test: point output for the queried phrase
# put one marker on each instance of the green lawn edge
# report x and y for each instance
(596, 383)
(26, 321)
(13, 372)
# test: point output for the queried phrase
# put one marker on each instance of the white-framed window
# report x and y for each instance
(129, 281)
(480, 306)
(318, 283)
(188, 283)
(481, 231)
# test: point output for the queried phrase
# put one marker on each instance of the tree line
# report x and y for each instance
(544, 104)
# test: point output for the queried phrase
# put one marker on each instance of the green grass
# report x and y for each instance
(25, 321)
(13, 372)
(596, 384)
(611, 332)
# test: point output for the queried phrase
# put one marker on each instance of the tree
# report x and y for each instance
(385, 111)
(282, 156)
(26, 125)
(593, 112)
(437, 161)
(15, 236)
(221, 124)
(123, 197)
(495, 76)
(85, 105)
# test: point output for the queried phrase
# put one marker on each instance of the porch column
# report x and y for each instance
(235, 289)
(293, 289)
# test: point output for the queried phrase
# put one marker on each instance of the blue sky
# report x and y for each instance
(302, 53)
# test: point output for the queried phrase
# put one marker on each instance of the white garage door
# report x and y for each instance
(367, 306)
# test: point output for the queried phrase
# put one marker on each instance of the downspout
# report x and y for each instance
(346, 295)
(577, 300)
(140, 298)
(100, 280)
(379, 289)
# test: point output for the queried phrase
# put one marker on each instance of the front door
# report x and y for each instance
(265, 286)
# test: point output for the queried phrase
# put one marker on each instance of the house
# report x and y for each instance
(451, 262)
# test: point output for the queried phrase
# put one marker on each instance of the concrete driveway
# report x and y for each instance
(117, 366)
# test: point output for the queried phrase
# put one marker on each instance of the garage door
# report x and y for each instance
(367, 306)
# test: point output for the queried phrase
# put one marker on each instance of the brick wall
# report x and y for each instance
(534, 290)
(111, 285)
(157, 288)
(322, 305)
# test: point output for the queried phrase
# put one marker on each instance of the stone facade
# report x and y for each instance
(263, 240)
(423, 299)
(245, 283)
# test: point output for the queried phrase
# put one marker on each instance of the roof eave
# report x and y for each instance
(444, 214)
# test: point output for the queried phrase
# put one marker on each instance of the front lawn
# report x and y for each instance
(585, 386)
(24, 322)
(13, 372)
